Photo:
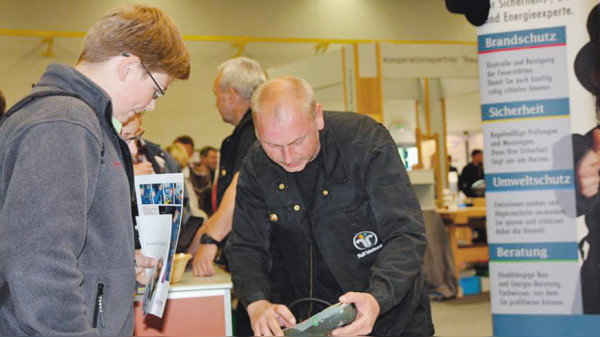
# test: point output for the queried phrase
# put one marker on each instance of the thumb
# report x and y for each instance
(597, 141)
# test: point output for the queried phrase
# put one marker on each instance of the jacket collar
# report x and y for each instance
(245, 120)
(333, 162)
(70, 79)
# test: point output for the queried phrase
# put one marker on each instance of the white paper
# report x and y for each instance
(160, 204)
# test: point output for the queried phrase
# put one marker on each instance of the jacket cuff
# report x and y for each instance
(247, 300)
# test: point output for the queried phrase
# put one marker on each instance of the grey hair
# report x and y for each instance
(274, 90)
(241, 74)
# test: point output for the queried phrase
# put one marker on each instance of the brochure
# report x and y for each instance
(160, 204)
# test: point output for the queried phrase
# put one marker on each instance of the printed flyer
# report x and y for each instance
(538, 69)
(160, 202)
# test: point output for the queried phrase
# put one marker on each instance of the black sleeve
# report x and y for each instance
(247, 249)
(401, 225)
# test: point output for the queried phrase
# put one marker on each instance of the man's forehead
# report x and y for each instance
(283, 110)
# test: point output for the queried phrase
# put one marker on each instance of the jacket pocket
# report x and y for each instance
(109, 299)
(98, 318)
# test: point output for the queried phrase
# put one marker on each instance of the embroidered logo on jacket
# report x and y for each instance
(365, 240)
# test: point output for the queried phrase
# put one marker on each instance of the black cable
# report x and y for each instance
(309, 299)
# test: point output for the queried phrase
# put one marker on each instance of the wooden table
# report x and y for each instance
(467, 216)
(196, 306)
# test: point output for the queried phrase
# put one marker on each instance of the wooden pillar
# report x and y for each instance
(369, 93)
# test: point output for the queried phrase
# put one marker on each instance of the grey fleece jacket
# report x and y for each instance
(65, 215)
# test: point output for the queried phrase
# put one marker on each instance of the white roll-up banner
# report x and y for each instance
(539, 73)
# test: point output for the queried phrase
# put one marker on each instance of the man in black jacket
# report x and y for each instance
(471, 173)
(234, 85)
(325, 202)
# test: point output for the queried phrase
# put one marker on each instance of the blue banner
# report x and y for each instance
(546, 325)
(525, 181)
(523, 39)
(533, 251)
(527, 109)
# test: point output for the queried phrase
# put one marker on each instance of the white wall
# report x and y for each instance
(189, 106)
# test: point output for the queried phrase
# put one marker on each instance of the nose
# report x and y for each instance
(287, 155)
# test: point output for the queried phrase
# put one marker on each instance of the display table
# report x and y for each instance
(470, 217)
(196, 306)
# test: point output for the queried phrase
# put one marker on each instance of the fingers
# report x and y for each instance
(267, 318)
(358, 327)
(367, 309)
(287, 318)
(198, 264)
(209, 269)
(202, 264)
(202, 267)
(267, 325)
(349, 297)
(274, 327)
(145, 262)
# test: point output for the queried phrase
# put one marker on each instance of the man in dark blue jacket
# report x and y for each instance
(324, 203)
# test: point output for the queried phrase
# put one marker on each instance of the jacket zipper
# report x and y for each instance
(310, 293)
(99, 307)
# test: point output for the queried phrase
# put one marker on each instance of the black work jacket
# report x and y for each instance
(233, 151)
(366, 220)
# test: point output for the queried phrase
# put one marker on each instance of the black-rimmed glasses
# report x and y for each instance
(136, 137)
(160, 92)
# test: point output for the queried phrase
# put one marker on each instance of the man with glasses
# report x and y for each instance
(67, 264)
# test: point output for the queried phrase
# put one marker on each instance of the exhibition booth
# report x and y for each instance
(514, 88)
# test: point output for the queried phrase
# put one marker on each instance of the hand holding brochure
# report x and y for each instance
(160, 204)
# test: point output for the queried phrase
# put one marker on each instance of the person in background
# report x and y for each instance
(450, 167)
(148, 157)
(209, 159)
(586, 163)
(234, 85)
(202, 180)
(187, 142)
(325, 195)
(196, 175)
(471, 173)
(180, 154)
(194, 216)
(67, 259)
(2, 103)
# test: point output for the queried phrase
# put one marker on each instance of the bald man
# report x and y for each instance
(324, 203)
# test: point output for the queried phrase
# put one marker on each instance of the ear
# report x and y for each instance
(232, 95)
(319, 116)
(126, 66)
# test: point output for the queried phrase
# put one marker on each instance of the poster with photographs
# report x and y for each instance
(160, 204)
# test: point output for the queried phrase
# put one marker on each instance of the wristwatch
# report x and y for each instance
(206, 239)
